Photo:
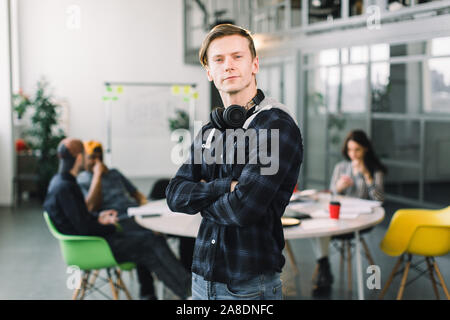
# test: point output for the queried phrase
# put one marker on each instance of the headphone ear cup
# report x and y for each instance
(216, 118)
(234, 116)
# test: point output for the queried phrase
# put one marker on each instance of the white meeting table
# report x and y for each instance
(156, 216)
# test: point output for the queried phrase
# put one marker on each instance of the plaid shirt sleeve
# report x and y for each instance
(249, 201)
(185, 193)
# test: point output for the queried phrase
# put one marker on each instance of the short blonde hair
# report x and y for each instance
(223, 30)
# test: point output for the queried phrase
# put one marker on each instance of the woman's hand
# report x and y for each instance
(343, 183)
(360, 167)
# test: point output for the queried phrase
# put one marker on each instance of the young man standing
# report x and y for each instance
(238, 251)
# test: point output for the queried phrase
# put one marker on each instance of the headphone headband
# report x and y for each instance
(234, 116)
(259, 97)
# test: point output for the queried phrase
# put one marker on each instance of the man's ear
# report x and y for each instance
(208, 74)
(255, 65)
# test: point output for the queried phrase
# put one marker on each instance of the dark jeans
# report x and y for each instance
(151, 253)
(145, 277)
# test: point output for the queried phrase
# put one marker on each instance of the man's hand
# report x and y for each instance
(141, 199)
(233, 185)
(108, 217)
(99, 168)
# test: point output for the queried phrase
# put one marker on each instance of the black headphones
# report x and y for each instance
(234, 116)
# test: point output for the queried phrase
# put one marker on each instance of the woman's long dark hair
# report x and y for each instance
(371, 161)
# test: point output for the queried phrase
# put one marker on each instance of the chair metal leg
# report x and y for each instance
(405, 276)
(367, 251)
(113, 287)
(292, 258)
(93, 278)
(430, 269)
(342, 261)
(121, 285)
(349, 262)
(391, 276)
(441, 279)
(84, 284)
(342, 252)
(316, 271)
(75, 293)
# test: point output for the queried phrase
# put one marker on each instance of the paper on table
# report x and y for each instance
(318, 224)
(300, 205)
(326, 214)
(360, 203)
(355, 210)
(308, 192)
(153, 207)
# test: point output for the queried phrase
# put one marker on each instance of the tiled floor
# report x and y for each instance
(31, 266)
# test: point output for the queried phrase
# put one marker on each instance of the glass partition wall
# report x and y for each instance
(400, 95)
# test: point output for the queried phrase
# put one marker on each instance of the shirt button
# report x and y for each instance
(213, 241)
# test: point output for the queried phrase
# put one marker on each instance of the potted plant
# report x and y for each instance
(44, 133)
(181, 121)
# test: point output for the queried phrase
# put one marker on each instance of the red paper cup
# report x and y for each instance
(335, 208)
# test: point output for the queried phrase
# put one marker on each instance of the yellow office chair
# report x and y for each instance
(418, 232)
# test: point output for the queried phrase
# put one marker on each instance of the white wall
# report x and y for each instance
(6, 145)
(118, 40)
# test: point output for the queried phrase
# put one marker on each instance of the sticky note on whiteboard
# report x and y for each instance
(175, 90)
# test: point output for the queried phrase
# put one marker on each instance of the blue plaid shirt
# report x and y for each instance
(241, 235)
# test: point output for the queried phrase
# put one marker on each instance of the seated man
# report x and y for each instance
(105, 188)
(67, 209)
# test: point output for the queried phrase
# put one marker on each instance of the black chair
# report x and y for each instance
(159, 189)
(26, 177)
(344, 243)
(345, 240)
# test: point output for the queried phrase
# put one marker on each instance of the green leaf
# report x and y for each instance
(44, 134)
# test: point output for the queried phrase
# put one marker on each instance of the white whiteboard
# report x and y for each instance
(139, 134)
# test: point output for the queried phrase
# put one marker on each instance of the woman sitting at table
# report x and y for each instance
(359, 175)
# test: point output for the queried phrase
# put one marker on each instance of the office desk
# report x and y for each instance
(185, 225)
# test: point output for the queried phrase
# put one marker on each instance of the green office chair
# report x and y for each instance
(91, 254)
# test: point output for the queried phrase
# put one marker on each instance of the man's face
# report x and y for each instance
(230, 64)
(90, 159)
